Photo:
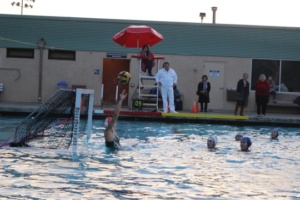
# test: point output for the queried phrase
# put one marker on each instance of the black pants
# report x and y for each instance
(148, 66)
(261, 104)
(205, 106)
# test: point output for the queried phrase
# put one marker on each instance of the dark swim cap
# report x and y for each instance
(277, 133)
(246, 139)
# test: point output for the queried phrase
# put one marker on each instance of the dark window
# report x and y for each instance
(290, 75)
(19, 53)
(284, 73)
(62, 55)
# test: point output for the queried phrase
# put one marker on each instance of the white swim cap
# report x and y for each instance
(213, 138)
(106, 121)
(240, 135)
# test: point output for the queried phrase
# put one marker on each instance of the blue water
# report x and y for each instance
(171, 161)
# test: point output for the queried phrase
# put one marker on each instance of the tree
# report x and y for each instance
(23, 4)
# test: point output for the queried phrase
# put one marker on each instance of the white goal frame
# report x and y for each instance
(79, 93)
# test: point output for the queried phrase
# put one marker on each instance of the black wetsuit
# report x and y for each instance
(18, 144)
(115, 144)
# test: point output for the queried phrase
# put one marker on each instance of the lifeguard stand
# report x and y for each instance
(141, 98)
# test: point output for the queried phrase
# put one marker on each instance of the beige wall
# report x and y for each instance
(188, 68)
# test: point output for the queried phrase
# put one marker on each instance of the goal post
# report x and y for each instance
(80, 94)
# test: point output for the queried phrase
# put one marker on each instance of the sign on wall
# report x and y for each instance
(214, 73)
(116, 55)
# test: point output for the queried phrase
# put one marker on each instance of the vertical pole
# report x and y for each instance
(214, 9)
(101, 97)
(22, 7)
(157, 86)
(76, 119)
(90, 116)
(280, 71)
(41, 44)
(140, 78)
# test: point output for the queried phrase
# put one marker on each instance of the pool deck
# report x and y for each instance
(212, 116)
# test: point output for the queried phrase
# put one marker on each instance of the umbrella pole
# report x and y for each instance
(138, 41)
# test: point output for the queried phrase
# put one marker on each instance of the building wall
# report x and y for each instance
(25, 89)
(81, 72)
(189, 77)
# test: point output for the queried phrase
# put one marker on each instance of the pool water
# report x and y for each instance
(171, 161)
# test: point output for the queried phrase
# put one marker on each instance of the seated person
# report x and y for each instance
(147, 60)
(245, 143)
(238, 136)
(274, 134)
(177, 99)
(155, 90)
(273, 91)
(212, 141)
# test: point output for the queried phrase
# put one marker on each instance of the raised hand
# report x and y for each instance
(123, 94)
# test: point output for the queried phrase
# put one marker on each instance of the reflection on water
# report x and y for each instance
(171, 161)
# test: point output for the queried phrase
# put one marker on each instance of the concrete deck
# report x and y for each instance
(213, 116)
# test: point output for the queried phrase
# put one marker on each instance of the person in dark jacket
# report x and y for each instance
(242, 90)
(177, 98)
(262, 90)
(203, 93)
(147, 60)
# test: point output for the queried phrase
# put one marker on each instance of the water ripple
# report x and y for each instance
(171, 161)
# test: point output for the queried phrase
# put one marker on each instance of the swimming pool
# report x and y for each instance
(171, 161)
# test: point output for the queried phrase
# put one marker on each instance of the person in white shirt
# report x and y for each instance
(167, 79)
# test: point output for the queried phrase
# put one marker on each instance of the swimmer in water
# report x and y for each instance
(238, 136)
(110, 135)
(245, 143)
(274, 134)
(212, 142)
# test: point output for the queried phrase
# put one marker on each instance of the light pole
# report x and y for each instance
(26, 5)
(214, 9)
(202, 15)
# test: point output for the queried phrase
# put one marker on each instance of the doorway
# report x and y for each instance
(111, 69)
(215, 74)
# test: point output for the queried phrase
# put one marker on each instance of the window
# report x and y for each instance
(61, 55)
(290, 75)
(284, 73)
(19, 53)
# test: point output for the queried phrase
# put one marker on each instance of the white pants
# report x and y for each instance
(168, 93)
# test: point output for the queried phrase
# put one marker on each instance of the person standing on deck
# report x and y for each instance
(167, 80)
(262, 90)
(242, 90)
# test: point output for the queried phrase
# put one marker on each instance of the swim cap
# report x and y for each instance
(213, 138)
(246, 139)
(107, 121)
(237, 135)
(275, 131)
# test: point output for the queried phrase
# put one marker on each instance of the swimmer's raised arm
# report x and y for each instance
(123, 95)
(110, 135)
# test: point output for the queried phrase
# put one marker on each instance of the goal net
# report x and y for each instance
(58, 122)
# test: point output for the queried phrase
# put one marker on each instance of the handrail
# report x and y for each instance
(101, 95)
(15, 69)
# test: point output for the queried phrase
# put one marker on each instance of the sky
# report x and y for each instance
(282, 13)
